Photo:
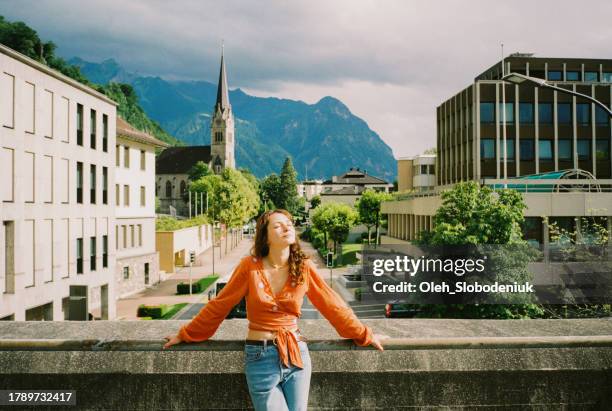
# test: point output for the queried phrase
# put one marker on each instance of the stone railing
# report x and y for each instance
(426, 363)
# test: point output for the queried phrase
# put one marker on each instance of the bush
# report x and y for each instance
(153, 311)
(358, 293)
(197, 286)
(307, 234)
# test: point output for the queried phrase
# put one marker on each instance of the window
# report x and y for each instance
(591, 76)
(126, 196)
(601, 117)
(583, 114)
(526, 113)
(132, 242)
(126, 160)
(565, 149)
(146, 273)
(572, 76)
(92, 253)
(139, 235)
(602, 149)
(126, 273)
(142, 159)
(79, 120)
(509, 113)
(116, 237)
(183, 188)
(555, 75)
(527, 150)
(104, 133)
(104, 251)
(79, 182)
(117, 155)
(487, 112)
(564, 113)
(168, 189)
(104, 185)
(545, 113)
(487, 148)
(124, 229)
(79, 252)
(92, 184)
(509, 149)
(584, 149)
(92, 128)
(545, 149)
(117, 195)
(142, 196)
(606, 77)
(218, 137)
(423, 169)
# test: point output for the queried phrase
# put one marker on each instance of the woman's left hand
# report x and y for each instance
(377, 340)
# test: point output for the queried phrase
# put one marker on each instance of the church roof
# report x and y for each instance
(222, 90)
(179, 160)
(126, 130)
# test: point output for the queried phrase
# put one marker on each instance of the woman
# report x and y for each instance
(274, 280)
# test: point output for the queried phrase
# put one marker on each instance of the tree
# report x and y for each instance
(368, 206)
(315, 201)
(431, 150)
(471, 214)
(271, 190)
(335, 221)
(199, 170)
(288, 185)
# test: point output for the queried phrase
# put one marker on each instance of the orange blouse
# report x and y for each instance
(269, 312)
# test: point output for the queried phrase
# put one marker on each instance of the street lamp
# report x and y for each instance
(516, 78)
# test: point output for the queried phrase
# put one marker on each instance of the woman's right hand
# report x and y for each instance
(172, 340)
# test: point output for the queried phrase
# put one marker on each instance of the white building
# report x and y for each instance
(137, 260)
(57, 140)
(416, 173)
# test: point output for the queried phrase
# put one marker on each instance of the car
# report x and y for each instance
(239, 310)
(399, 310)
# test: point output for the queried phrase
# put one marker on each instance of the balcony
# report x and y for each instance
(428, 363)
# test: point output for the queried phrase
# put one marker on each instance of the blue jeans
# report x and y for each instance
(274, 387)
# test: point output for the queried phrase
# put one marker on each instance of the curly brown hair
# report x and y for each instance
(261, 248)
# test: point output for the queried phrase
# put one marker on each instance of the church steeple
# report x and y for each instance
(222, 90)
(222, 127)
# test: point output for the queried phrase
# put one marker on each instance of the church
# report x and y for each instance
(173, 164)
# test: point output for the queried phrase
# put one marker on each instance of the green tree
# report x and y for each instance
(271, 190)
(335, 221)
(368, 206)
(199, 170)
(288, 185)
(471, 214)
(315, 201)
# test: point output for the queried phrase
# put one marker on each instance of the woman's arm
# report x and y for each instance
(204, 325)
(341, 316)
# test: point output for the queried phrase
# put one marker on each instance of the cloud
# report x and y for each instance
(391, 62)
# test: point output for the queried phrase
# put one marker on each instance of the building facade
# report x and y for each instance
(137, 264)
(416, 173)
(57, 141)
(502, 134)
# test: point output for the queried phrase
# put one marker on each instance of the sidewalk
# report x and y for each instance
(164, 292)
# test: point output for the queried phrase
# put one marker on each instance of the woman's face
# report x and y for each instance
(280, 231)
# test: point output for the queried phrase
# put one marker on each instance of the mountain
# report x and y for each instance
(323, 139)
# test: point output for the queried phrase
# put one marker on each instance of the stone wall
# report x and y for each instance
(519, 364)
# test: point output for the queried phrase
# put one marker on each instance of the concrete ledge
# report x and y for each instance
(428, 363)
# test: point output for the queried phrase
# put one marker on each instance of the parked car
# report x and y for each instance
(239, 311)
(398, 310)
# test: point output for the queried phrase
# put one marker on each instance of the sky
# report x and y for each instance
(391, 62)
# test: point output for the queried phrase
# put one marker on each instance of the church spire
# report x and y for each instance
(222, 90)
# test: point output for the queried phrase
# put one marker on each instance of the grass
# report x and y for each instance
(349, 252)
(175, 309)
